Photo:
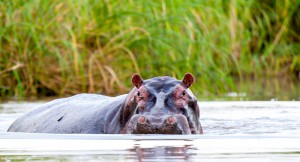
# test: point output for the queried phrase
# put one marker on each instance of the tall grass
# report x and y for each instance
(67, 47)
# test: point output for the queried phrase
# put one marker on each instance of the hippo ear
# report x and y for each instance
(188, 80)
(137, 80)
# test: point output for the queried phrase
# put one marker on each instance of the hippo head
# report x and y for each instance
(162, 105)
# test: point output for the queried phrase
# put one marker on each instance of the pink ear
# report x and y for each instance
(188, 80)
(137, 80)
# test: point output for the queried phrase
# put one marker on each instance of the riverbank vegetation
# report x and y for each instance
(66, 47)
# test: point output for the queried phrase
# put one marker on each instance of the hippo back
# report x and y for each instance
(83, 113)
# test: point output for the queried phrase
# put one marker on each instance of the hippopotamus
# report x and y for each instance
(160, 105)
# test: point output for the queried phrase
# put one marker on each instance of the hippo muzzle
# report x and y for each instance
(167, 124)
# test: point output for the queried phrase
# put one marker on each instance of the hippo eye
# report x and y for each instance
(140, 96)
(183, 93)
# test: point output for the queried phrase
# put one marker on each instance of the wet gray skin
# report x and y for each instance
(160, 105)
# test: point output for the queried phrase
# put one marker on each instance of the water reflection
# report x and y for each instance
(49, 147)
(159, 153)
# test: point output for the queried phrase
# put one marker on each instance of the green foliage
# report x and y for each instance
(67, 47)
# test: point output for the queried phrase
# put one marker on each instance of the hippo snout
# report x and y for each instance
(167, 124)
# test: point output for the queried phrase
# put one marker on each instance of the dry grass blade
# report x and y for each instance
(15, 67)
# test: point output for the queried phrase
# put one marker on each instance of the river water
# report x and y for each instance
(233, 131)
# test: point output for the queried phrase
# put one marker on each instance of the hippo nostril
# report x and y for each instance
(171, 120)
(142, 120)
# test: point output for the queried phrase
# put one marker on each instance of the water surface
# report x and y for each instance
(234, 131)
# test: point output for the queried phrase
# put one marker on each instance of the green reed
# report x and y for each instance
(68, 47)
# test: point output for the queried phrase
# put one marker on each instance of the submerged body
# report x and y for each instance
(82, 113)
(161, 105)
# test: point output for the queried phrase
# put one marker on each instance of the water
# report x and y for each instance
(234, 131)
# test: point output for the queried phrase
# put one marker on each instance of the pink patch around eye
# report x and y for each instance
(179, 91)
